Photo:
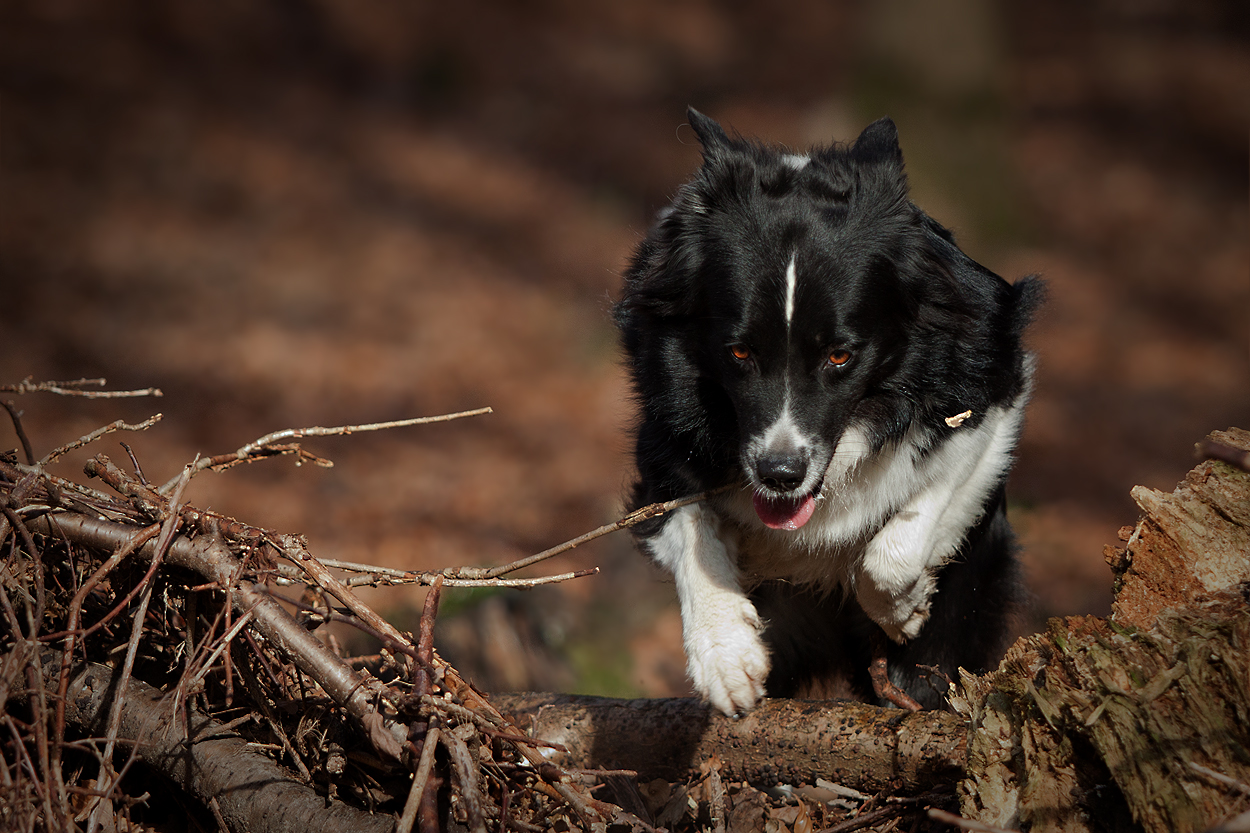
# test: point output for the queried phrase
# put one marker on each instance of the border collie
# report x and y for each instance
(817, 352)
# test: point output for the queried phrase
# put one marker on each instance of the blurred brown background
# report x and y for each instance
(317, 212)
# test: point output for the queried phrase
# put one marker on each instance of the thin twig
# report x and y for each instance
(16, 416)
(73, 389)
(464, 769)
(1221, 777)
(419, 780)
(373, 575)
(134, 464)
(843, 792)
(259, 446)
(429, 579)
(86, 439)
(425, 640)
(632, 519)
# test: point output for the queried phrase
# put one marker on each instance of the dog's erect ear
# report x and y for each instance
(711, 135)
(879, 143)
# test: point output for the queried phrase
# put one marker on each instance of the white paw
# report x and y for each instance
(900, 615)
(909, 627)
(728, 661)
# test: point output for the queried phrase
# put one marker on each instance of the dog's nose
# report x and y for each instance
(784, 473)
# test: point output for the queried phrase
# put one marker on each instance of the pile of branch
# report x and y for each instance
(141, 634)
(144, 634)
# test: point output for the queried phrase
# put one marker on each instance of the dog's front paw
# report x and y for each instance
(727, 658)
(909, 627)
(900, 615)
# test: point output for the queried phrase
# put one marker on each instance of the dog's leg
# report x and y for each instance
(727, 659)
(894, 582)
(895, 579)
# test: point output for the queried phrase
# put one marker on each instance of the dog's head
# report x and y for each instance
(799, 311)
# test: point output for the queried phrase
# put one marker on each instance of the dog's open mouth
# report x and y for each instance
(785, 512)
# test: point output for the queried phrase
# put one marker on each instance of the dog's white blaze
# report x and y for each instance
(792, 278)
(784, 433)
(798, 161)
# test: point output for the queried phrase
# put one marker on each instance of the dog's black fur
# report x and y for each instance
(881, 331)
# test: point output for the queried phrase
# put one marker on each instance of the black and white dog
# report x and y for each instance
(801, 333)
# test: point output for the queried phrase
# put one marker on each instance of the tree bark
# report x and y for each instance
(1188, 544)
(1120, 724)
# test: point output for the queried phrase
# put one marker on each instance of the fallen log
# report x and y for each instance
(778, 742)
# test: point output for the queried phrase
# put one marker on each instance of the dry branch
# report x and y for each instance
(270, 444)
(75, 388)
(779, 742)
(209, 557)
(634, 518)
(118, 425)
(411, 705)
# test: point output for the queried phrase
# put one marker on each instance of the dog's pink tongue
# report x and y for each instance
(785, 513)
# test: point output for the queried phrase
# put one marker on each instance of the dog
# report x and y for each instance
(817, 353)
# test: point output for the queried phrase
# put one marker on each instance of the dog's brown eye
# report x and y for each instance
(837, 358)
(740, 352)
